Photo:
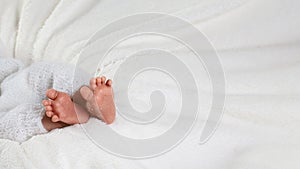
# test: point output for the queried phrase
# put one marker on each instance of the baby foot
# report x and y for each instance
(60, 107)
(100, 101)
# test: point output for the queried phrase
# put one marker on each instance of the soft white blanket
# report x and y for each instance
(20, 112)
(258, 45)
(23, 89)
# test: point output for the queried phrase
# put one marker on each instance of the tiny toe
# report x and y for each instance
(108, 82)
(49, 113)
(55, 118)
(48, 108)
(98, 81)
(93, 83)
(46, 102)
(51, 94)
(103, 79)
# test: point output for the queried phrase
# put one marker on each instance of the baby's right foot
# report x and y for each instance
(99, 97)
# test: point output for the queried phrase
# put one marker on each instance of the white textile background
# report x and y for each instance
(258, 43)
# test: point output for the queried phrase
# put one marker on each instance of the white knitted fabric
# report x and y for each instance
(22, 91)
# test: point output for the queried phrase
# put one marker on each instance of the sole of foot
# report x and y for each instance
(100, 99)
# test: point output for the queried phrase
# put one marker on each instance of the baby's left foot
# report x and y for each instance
(60, 107)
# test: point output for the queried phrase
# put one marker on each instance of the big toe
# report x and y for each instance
(51, 94)
(93, 83)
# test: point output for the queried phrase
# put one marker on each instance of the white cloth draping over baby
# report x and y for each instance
(22, 91)
(258, 42)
